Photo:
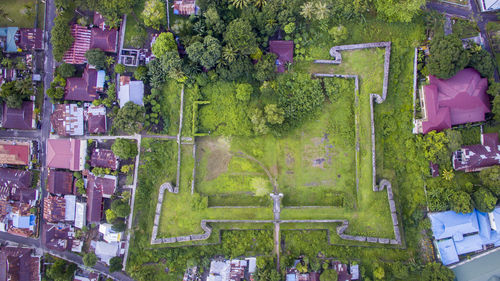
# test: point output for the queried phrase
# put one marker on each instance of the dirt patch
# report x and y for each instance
(274, 170)
(218, 156)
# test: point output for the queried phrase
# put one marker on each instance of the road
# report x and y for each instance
(474, 14)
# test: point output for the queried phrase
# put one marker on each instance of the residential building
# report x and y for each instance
(82, 88)
(18, 263)
(8, 39)
(66, 154)
(459, 100)
(130, 91)
(109, 235)
(283, 49)
(473, 158)
(15, 185)
(60, 182)
(86, 39)
(489, 5)
(19, 118)
(54, 209)
(104, 158)
(106, 251)
(70, 209)
(229, 270)
(101, 79)
(97, 189)
(28, 39)
(185, 7)
(96, 119)
(461, 234)
(58, 237)
(15, 152)
(67, 120)
(16, 218)
(80, 215)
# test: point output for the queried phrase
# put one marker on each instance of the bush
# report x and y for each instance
(120, 68)
(115, 264)
(66, 70)
(96, 57)
(89, 259)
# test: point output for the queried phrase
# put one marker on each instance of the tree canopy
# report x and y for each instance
(484, 200)
(164, 43)
(490, 177)
(124, 148)
(398, 10)
(240, 36)
(96, 57)
(89, 259)
(60, 38)
(154, 14)
(447, 56)
(66, 70)
(207, 53)
(130, 118)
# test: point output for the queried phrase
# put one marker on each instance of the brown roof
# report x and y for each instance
(94, 201)
(60, 182)
(96, 124)
(22, 118)
(63, 154)
(29, 39)
(55, 237)
(284, 51)
(184, 7)
(14, 153)
(67, 119)
(104, 39)
(17, 264)
(472, 158)
(82, 88)
(104, 158)
(54, 208)
(99, 20)
(12, 181)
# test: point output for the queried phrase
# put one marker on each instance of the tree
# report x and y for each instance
(207, 53)
(321, 10)
(265, 68)
(481, 61)
(141, 73)
(115, 264)
(490, 177)
(454, 139)
(13, 95)
(113, 10)
(66, 70)
(307, 10)
(339, 34)
(259, 122)
(494, 88)
(447, 56)
(61, 38)
(229, 54)
(61, 270)
(461, 202)
(436, 272)
(484, 200)
(244, 91)
(96, 57)
(120, 208)
(434, 146)
(124, 148)
(274, 115)
(154, 14)
(89, 259)
(120, 68)
(130, 118)
(214, 23)
(495, 107)
(164, 43)
(119, 225)
(110, 216)
(398, 10)
(448, 174)
(240, 3)
(240, 36)
(329, 275)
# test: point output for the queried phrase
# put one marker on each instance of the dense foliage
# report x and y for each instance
(130, 118)
(447, 56)
(124, 148)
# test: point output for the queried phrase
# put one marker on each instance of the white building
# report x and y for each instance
(69, 214)
(130, 91)
(110, 235)
(106, 251)
(80, 214)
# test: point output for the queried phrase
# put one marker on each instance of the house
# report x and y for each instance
(67, 120)
(28, 39)
(96, 119)
(459, 100)
(69, 214)
(104, 158)
(106, 251)
(107, 184)
(15, 152)
(473, 158)
(461, 234)
(82, 88)
(185, 7)
(57, 237)
(60, 182)
(101, 78)
(489, 5)
(228, 270)
(66, 154)
(97, 189)
(109, 235)
(13, 183)
(54, 208)
(8, 39)
(86, 39)
(130, 91)
(342, 271)
(18, 263)
(19, 118)
(283, 49)
(83, 275)
(80, 214)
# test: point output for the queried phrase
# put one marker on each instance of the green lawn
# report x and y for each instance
(21, 13)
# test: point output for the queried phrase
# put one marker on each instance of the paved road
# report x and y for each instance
(474, 13)
(14, 134)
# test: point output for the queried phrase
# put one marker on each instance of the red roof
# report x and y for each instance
(13, 182)
(60, 182)
(56, 237)
(29, 39)
(184, 7)
(94, 201)
(22, 118)
(99, 20)
(54, 208)
(459, 100)
(472, 158)
(284, 51)
(82, 88)
(96, 124)
(107, 184)
(63, 154)
(18, 264)
(104, 158)
(14, 153)
(104, 39)
(86, 39)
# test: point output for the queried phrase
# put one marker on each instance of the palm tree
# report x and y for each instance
(24, 87)
(307, 10)
(228, 53)
(260, 3)
(321, 10)
(240, 3)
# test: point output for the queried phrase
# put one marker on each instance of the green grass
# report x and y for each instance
(21, 13)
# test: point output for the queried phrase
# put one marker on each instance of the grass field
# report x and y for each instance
(21, 13)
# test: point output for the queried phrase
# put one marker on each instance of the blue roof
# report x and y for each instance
(10, 33)
(447, 224)
(496, 217)
(469, 244)
(290, 277)
(484, 225)
(101, 74)
(447, 251)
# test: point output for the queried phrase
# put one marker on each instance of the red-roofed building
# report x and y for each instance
(13, 182)
(66, 154)
(99, 20)
(86, 39)
(82, 88)
(28, 39)
(284, 52)
(473, 158)
(104, 39)
(54, 209)
(19, 264)
(459, 100)
(15, 153)
(104, 158)
(60, 182)
(185, 7)
(18, 118)
(57, 237)
(94, 201)
(96, 119)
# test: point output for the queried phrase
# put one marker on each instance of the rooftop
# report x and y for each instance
(472, 158)
(66, 154)
(29, 39)
(13, 183)
(86, 39)
(19, 264)
(60, 182)
(185, 7)
(14, 152)
(54, 208)
(67, 120)
(104, 158)
(82, 88)
(130, 91)
(96, 119)
(18, 118)
(284, 52)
